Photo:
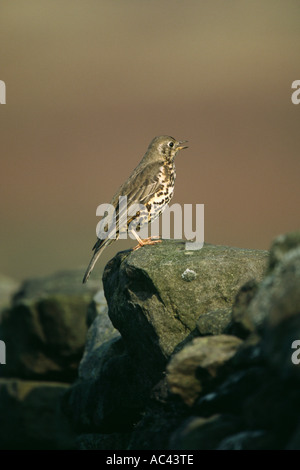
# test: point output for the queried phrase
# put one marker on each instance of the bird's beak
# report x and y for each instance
(180, 146)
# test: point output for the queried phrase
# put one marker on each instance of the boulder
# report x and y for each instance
(112, 441)
(45, 328)
(8, 287)
(156, 296)
(198, 362)
(111, 400)
(281, 245)
(272, 309)
(31, 416)
(203, 358)
(277, 296)
(199, 433)
(98, 306)
(153, 306)
(241, 324)
(98, 339)
(215, 322)
(278, 302)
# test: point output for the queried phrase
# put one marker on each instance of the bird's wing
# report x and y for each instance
(143, 183)
(140, 187)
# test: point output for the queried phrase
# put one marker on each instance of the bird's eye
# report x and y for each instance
(171, 144)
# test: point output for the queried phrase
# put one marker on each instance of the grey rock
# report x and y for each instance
(278, 294)
(98, 339)
(98, 306)
(281, 306)
(156, 425)
(31, 416)
(112, 441)
(274, 407)
(215, 322)
(294, 442)
(243, 390)
(245, 440)
(265, 402)
(189, 275)
(146, 293)
(87, 399)
(198, 362)
(45, 328)
(240, 378)
(271, 309)
(281, 245)
(8, 287)
(201, 433)
(108, 395)
(155, 310)
(62, 282)
(241, 322)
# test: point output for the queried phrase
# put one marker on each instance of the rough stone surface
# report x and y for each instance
(241, 325)
(294, 443)
(156, 425)
(45, 328)
(214, 325)
(98, 339)
(31, 417)
(112, 441)
(278, 300)
(110, 394)
(198, 362)
(242, 385)
(98, 306)
(155, 311)
(198, 433)
(8, 287)
(278, 295)
(215, 322)
(145, 292)
(282, 245)
(245, 440)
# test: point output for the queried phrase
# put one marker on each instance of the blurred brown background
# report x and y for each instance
(91, 82)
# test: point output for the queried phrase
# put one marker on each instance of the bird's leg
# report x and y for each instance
(146, 241)
(153, 237)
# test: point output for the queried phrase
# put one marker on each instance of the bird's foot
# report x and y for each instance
(147, 241)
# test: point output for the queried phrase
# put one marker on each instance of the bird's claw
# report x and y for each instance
(147, 241)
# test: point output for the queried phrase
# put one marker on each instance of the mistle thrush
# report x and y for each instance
(151, 184)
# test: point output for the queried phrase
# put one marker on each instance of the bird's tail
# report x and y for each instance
(98, 248)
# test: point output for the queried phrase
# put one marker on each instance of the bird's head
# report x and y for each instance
(166, 147)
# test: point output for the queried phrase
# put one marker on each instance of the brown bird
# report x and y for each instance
(151, 184)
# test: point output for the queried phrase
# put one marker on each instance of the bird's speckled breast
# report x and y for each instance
(162, 198)
(158, 202)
